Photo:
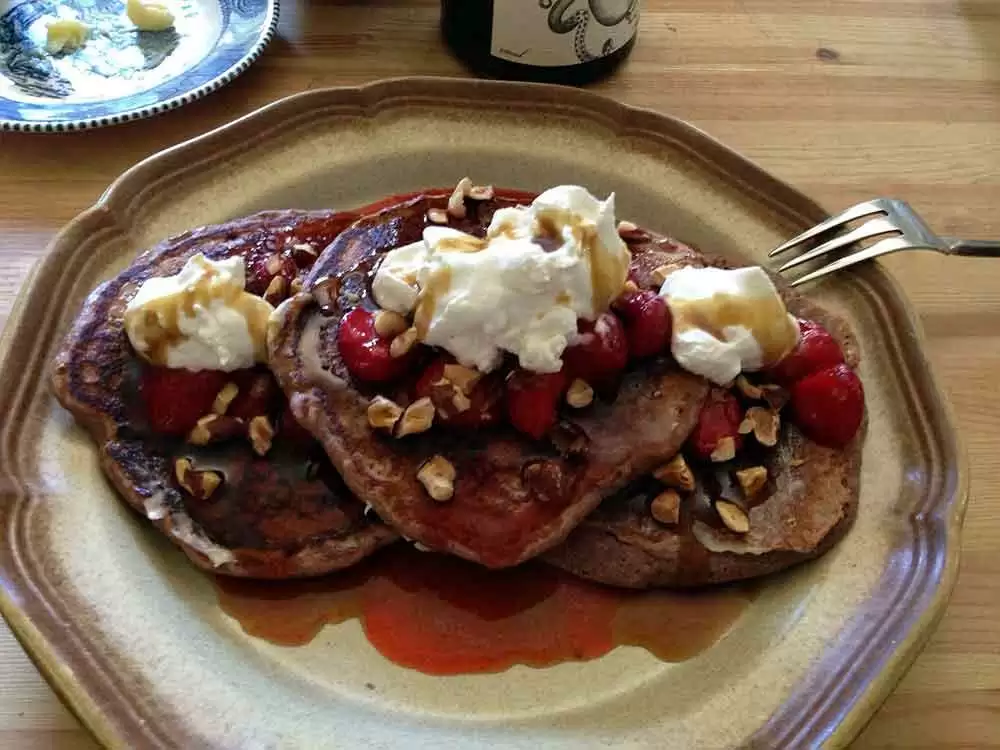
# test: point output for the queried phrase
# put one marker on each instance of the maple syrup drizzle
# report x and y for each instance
(441, 615)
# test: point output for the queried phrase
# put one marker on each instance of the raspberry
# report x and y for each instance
(829, 405)
(533, 400)
(366, 354)
(175, 399)
(817, 350)
(720, 418)
(600, 352)
(647, 322)
(485, 398)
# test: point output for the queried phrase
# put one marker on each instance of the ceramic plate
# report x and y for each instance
(120, 73)
(132, 635)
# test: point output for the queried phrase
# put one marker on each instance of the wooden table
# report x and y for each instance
(847, 99)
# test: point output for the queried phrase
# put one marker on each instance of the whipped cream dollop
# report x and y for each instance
(200, 318)
(726, 321)
(519, 290)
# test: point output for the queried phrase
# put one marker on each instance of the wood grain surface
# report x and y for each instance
(846, 99)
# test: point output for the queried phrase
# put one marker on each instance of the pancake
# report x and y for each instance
(513, 497)
(809, 504)
(287, 514)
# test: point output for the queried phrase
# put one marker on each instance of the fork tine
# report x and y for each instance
(882, 247)
(869, 229)
(854, 212)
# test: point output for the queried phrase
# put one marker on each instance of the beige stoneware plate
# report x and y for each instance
(131, 634)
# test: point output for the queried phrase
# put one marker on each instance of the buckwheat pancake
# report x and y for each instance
(809, 503)
(513, 497)
(286, 514)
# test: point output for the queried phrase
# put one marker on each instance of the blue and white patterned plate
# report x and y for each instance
(121, 73)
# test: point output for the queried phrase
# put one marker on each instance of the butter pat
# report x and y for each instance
(519, 290)
(149, 16)
(199, 319)
(65, 35)
(726, 321)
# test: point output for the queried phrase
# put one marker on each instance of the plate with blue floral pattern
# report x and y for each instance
(120, 72)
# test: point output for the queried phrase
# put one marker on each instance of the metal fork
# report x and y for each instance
(894, 220)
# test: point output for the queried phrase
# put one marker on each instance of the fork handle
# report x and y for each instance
(981, 248)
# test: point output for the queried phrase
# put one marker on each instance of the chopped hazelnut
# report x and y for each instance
(225, 397)
(763, 423)
(418, 417)
(579, 394)
(383, 413)
(725, 450)
(666, 507)
(676, 473)
(261, 433)
(437, 475)
(198, 484)
(460, 401)
(296, 286)
(403, 342)
(437, 216)
(213, 428)
(733, 516)
(464, 378)
(481, 192)
(752, 480)
(276, 291)
(273, 264)
(747, 388)
(456, 203)
(626, 227)
(389, 323)
(630, 286)
(660, 273)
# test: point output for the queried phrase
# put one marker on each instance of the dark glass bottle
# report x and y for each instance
(573, 42)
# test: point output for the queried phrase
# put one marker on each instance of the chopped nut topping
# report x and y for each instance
(733, 516)
(273, 264)
(383, 413)
(545, 478)
(198, 484)
(626, 227)
(418, 417)
(437, 475)
(579, 394)
(630, 286)
(225, 397)
(389, 323)
(676, 473)
(276, 290)
(763, 423)
(747, 388)
(752, 480)
(460, 401)
(326, 291)
(213, 428)
(437, 216)
(261, 434)
(481, 192)
(464, 378)
(296, 286)
(666, 507)
(661, 272)
(403, 343)
(725, 450)
(456, 203)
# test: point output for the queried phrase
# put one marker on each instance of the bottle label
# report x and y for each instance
(548, 33)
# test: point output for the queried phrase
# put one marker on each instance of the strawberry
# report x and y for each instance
(485, 397)
(720, 418)
(175, 399)
(647, 322)
(817, 350)
(366, 353)
(533, 400)
(829, 405)
(599, 354)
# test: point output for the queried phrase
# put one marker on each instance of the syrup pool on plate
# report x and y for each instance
(441, 615)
